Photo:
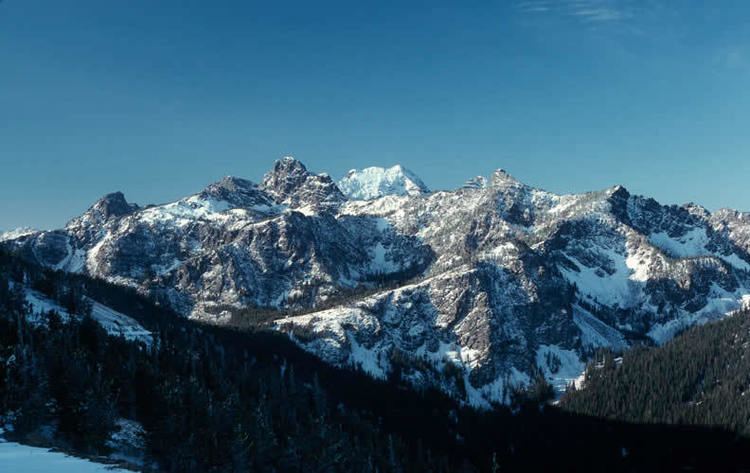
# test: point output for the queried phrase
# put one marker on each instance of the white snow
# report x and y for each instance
(118, 324)
(115, 323)
(569, 369)
(720, 303)
(595, 333)
(74, 261)
(454, 353)
(17, 233)
(380, 262)
(18, 458)
(332, 334)
(186, 211)
(619, 288)
(692, 243)
(127, 442)
(374, 182)
(368, 359)
(41, 305)
(498, 390)
(736, 261)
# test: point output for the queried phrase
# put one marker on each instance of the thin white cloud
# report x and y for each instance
(734, 57)
(589, 11)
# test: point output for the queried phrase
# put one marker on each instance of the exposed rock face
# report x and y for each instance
(290, 183)
(506, 279)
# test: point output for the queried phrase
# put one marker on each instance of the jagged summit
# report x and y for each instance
(17, 233)
(233, 183)
(237, 192)
(114, 205)
(374, 182)
(286, 176)
(111, 205)
(503, 179)
(478, 182)
(290, 183)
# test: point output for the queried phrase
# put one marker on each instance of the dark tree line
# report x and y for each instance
(702, 377)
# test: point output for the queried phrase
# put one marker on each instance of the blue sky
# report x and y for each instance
(157, 99)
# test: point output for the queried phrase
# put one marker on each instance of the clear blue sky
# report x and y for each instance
(159, 98)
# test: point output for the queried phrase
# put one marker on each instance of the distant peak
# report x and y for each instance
(618, 191)
(286, 174)
(237, 192)
(232, 183)
(478, 182)
(502, 178)
(113, 205)
(289, 164)
(113, 197)
(290, 183)
(373, 182)
(17, 233)
(696, 209)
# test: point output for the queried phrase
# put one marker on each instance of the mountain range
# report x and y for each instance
(475, 291)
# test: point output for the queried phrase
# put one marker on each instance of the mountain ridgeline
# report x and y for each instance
(475, 292)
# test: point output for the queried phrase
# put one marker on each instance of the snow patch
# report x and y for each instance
(595, 333)
(18, 458)
(113, 322)
(120, 325)
(561, 367)
(374, 182)
(692, 243)
(17, 233)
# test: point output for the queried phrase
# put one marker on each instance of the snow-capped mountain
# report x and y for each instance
(482, 287)
(17, 233)
(374, 182)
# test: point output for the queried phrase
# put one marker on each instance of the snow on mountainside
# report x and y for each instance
(18, 458)
(17, 233)
(374, 182)
(480, 288)
(113, 322)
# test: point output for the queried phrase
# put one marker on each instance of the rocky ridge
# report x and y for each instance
(505, 281)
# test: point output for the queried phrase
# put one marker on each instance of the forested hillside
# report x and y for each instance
(207, 398)
(701, 377)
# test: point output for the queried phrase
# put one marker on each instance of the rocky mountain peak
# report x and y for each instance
(111, 205)
(502, 179)
(237, 192)
(286, 176)
(109, 208)
(478, 182)
(286, 171)
(618, 191)
(232, 184)
(697, 210)
(290, 183)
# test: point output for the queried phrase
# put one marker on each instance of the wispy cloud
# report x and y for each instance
(589, 11)
(735, 57)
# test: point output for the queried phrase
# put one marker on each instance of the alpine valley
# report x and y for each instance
(477, 291)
